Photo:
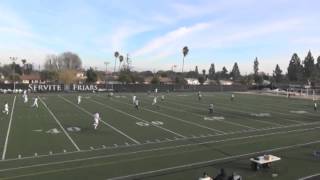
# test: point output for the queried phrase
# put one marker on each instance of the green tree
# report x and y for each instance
(212, 71)
(196, 71)
(224, 73)
(308, 66)
(116, 55)
(203, 72)
(185, 51)
(24, 65)
(49, 75)
(180, 80)
(92, 76)
(295, 69)
(120, 61)
(235, 73)
(257, 78)
(155, 80)
(201, 79)
(318, 63)
(28, 68)
(277, 74)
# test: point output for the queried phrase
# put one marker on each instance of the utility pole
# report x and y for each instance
(13, 59)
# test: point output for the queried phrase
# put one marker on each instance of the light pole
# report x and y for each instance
(13, 59)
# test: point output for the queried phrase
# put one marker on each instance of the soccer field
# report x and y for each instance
(176, 139)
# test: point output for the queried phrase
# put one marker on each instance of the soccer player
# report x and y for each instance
(162, 98)
(199, 96)
(35, 103)
(6, 108)
(79, 99)
(25, 97)
(205, 177)
(134, 99)
(156, 90)
(136, 104)
(96, 119)
(24, 93)
(154, 101)
(315, 106)
(210, 108)
(232, 97)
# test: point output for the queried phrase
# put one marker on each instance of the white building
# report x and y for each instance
(192, 81)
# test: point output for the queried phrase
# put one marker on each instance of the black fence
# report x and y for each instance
(175, 88)
(122, 87)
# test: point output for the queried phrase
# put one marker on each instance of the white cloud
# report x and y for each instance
(206, 36)
(168, 38)
(117, 39)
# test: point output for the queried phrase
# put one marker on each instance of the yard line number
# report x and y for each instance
(146, 124)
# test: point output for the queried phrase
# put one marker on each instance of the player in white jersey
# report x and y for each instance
(199, 96)
(315, 106)
(6, 109)
(25, 97)
(210, 108)
(35, 103)
(96, 119)
(232, 97)
(134, 99)
(79, 99)
(24, 93)
(162, 98)
(154, 101)
(156, 90)
(206, 177)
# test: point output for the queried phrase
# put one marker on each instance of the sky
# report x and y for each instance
(153, 33)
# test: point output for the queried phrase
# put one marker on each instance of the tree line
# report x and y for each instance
(63, 68)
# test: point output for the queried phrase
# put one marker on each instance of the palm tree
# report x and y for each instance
(116, 55)
(24, 64)
(185, 52)
(120, 59)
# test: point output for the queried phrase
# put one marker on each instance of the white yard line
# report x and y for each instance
(308, 177)
(250, 119)
(131, 176)
(272, 106)
(105, 123)
(58, 122)
(215, 111)
(186, 139)
(8, 131)
(273, 111)
(176, 118)
(187, 122)
(202, 116)
(135, 117)
(175, 147)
